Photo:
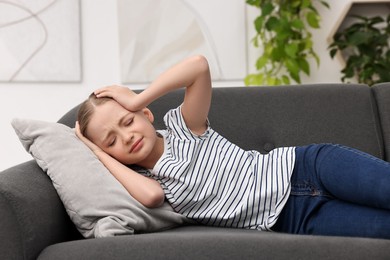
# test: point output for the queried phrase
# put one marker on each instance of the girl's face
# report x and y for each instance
(127, 136)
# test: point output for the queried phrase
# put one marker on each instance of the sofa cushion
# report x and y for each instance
(95, 201)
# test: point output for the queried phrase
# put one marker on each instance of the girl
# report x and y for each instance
(316, 189)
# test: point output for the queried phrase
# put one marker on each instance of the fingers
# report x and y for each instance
(107, 91)
(102, 92)
(93, 147)
(77, 127)
(121, 94)
(79, 134)
(78, 131)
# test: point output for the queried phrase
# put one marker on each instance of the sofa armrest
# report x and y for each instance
(31, 213)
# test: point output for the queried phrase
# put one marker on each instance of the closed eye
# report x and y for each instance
(128, 122)
(112, 142)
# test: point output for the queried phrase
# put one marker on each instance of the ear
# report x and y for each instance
(148, 113)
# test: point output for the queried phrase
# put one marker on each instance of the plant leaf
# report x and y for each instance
(313, 20)
(291, 50)
(272, 23)
(376, 20)
(298, 24)
(304, 66)
(358, 38)
(286, 80)
(259, 21)
(324, 3)
(261, 62)
(253, 2)
(271, 81)
(305, 3)
(359, 17)
(316, 57)
(266, 9)
(333, 52)
(293, 69)
(254, 79)
(308, 43)
(255, 41)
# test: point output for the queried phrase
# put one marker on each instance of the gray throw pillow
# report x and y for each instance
(96, 202)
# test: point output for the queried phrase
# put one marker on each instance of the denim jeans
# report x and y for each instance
(339, 191)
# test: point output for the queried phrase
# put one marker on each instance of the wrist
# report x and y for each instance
(140, 101)
(99, 153)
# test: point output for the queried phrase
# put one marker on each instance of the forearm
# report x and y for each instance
(184, 74)
(193, 74)
(145, 190)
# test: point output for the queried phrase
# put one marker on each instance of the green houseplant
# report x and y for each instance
(282, 30)
(366, 47)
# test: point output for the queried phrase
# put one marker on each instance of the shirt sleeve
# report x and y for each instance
(141, 170)
(176, 125)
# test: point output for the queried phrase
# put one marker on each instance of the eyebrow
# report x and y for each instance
(120, 122)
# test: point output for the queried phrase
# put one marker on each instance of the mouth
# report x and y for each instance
(137, 145)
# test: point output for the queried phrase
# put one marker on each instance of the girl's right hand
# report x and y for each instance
(94, 148)
(123, 95)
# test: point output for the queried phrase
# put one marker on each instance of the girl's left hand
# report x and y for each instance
(123, 95)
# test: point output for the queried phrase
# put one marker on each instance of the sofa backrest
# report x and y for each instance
(262, 118)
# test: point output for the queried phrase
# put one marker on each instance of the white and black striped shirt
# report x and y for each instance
(214, 182)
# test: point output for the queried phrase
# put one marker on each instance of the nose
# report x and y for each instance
(127, 137)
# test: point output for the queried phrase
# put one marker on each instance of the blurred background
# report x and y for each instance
(53, 54)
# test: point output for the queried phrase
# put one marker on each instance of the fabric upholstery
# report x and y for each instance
(298, 115)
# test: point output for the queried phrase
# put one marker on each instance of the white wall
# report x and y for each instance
(100, 63)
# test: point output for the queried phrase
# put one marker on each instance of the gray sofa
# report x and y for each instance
(34, 224)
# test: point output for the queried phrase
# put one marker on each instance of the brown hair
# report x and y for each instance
(86, 110)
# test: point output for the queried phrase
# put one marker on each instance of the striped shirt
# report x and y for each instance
(214, 182)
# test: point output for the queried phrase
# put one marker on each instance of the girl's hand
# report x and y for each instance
(123, 95)
(94, 148)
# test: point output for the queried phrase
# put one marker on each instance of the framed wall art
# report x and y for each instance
(40, 41)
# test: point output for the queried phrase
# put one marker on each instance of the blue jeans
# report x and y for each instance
(339, 191)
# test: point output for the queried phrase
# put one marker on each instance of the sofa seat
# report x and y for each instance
(198, 242)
